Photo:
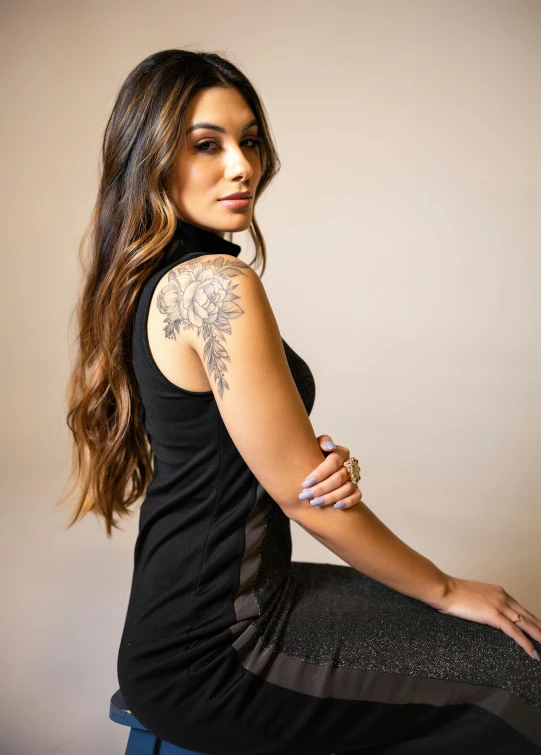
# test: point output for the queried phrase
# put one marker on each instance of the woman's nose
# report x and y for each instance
(238, 163)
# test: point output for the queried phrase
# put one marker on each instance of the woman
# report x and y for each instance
(184, 390)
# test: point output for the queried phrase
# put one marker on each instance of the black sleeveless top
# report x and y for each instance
(229, 647)
(192, 523)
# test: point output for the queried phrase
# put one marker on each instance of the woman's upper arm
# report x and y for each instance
(238, 341)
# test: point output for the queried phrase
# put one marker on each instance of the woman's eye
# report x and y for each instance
(257, 141)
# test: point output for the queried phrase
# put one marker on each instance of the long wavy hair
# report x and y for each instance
(132, 221)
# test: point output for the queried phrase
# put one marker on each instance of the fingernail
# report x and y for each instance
(340, 505)
(536, 655)
(309, 481)
(329, 444)
(306, 494)
(317, 501)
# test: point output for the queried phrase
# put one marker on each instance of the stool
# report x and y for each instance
(140, 740)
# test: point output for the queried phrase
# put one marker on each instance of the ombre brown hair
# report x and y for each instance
(132, 221)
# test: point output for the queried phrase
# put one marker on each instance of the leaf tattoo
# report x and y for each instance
(200, 295)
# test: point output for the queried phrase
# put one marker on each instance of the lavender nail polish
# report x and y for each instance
(340, 505)
(329, 445)
(536, 655)
(309, 481)
(306, 494)
(317, 501)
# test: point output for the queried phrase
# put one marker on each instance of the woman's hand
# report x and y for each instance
(330, 482)
(492, 605)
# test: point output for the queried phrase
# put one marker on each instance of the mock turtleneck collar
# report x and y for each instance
(205, 241)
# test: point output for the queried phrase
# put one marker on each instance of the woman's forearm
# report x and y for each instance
(360, 539)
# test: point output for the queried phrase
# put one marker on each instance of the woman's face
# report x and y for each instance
(220, 158)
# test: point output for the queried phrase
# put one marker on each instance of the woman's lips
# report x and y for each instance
(236, 204)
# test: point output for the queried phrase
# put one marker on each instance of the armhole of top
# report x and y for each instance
(145, 342)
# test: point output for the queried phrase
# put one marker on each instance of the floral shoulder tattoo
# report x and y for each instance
(200, 295)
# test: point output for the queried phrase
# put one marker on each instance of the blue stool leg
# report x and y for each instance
(166, 748)
(140, 742)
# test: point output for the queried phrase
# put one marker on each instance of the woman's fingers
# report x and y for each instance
(330, 481)
(326, 442)
(329, 492)
(348, 501)
(515, 605)
(525, 624)
(329, 478)
(333, 462)
(511, 629)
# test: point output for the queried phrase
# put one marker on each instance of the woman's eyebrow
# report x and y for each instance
(214, 127)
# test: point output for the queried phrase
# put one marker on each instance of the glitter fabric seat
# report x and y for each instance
(231, 648)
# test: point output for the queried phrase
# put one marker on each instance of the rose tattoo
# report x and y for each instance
(200, 295)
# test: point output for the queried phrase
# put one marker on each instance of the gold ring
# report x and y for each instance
(352, 465)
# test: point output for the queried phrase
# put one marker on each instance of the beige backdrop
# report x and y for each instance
(405, 209)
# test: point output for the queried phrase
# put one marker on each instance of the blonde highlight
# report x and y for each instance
(132, 222)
